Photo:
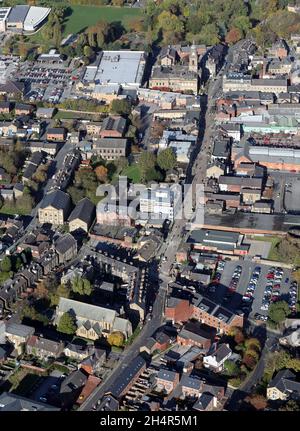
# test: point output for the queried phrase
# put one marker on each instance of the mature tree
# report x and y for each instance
(253, 344)
(88, 51)
(40, 175)
(76, 194)
(81, 286)
(290, 406)
(253, 353)
(239, 336)
(63, 291)
(121, 107)
(101, 173)
(259, 402)
(249, 361)
(136, 24)
(276, 361)
(153, 174)
(6, 264)
(166, 159)
(157, 129)
(169, 22)
(67, 324)
(231, 368)
(243, 23)
(41, 291)
(118, 2)
(294, 364)
(234, 35)
(31, 313)
(278, 311)
(116, 339)
(209, 34)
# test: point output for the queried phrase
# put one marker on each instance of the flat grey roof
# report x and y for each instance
(203, 235)
(118, 67)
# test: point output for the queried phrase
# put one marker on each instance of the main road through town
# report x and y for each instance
(169, 248)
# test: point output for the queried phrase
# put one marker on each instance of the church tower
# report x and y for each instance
(193, 60)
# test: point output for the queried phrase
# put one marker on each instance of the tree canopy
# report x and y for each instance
(82, 286)
(116, 339)
(166, 159)
(67, 324)
(278, 311)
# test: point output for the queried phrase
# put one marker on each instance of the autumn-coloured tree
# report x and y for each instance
(41, 290)
(233, 36)
(253, 344)
(252, 353)
(116, 339)
(239, 336)
(259, 402)
(157, 129)
(249, 361)
(101, 173)
(136, 24)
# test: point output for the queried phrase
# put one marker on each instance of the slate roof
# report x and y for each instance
(56, 131)
(222, 351)
(285, 382)
(56, 199)
(87, 311)
(29, 171)
(45, 344)
(197, 332)
(74, 381)
(203, 402)
(170, 376)
(12, 87)
(129, 373)
(18, 13)
(64, 243)
(19, 330)
(114, 123)
(15, 403)
(191, 382)
(84, 211)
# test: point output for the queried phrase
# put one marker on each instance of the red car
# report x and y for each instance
(270, 276)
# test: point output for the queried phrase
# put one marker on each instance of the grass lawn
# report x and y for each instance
(65, 115)
(86, 16)
(133, 173)
(6, 209)
(273, 255)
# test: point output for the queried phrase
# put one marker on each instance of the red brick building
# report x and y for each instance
(195, 334)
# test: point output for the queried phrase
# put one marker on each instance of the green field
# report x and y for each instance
(86, 16)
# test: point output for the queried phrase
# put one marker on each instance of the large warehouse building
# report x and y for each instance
(124, 68)
(23, 18)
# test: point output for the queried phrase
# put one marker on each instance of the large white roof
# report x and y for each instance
(35, 16)
(118, 67)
